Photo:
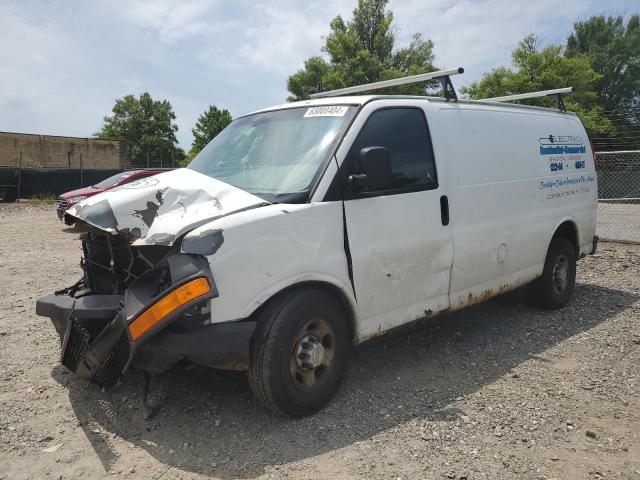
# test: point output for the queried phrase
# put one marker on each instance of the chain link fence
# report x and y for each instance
(161, 159)
(46, 165)
(619, 195)
(49, 172)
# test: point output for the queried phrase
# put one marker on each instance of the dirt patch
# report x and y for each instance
(500, 390)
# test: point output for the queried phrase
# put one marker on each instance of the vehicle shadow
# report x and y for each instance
(209, 424)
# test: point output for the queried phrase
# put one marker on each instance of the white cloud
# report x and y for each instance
(282, 38)
(29, 70)
(480, 35)
(171, 19)
(29, 54)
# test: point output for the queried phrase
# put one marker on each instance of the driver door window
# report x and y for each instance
(404, 132)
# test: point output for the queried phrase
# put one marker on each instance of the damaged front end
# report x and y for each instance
(143, 301)
(126, 296)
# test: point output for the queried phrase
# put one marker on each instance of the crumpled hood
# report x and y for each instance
(156, 210)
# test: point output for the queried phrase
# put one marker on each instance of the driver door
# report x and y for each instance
(401, 249)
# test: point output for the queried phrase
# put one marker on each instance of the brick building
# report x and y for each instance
(61, 152)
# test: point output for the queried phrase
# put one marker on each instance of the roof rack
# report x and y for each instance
(441, 75)
(557, 93)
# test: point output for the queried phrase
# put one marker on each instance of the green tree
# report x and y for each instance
(613, 50)
(544, 69)
(148, 129)
(361, 51)
(209, 124)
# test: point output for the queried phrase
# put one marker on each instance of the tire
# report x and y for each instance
(299, 352)
(553, 289)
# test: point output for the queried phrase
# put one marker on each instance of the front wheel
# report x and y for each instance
(553, 289)
(299, 352)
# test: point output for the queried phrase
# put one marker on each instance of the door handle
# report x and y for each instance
(444, 210)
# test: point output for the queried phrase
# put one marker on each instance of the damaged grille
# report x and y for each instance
(62, 203)
(77, 344)
(112, 366)
(110, 369)
(110, 264)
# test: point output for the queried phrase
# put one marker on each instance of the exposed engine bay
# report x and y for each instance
(110, 264)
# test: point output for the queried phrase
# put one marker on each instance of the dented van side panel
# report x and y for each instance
(401, 252)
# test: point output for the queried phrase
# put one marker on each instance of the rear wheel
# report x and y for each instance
(553, 289)
(299, 352)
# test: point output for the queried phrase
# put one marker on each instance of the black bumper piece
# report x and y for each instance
(93, 334)
(94, 329)
(218, 345)
(80, 321)
(94, 310)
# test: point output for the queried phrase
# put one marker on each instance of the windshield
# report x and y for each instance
(111, 181)
(274, 153)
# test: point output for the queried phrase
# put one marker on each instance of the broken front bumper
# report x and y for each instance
(102, 335)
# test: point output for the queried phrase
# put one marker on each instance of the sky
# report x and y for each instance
(63, 63)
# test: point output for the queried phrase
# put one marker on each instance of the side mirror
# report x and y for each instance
(375, 163)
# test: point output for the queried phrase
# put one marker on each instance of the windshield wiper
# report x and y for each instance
(292, 197)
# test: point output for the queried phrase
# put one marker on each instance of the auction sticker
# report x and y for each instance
(327, 111)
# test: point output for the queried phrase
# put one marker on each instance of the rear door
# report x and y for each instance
(400, 247)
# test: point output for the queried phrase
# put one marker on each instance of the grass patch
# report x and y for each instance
(41, 200)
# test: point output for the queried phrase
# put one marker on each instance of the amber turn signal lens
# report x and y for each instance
(167, 305)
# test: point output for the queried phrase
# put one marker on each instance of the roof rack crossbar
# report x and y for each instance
(557, 93)
(441, 75)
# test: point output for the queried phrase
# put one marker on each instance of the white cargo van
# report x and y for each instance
(309, 227)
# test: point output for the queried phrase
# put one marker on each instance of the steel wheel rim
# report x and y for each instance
(312, 355)
(560, 274)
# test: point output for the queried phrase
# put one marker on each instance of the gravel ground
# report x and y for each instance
(619, 221)
(501, 390)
